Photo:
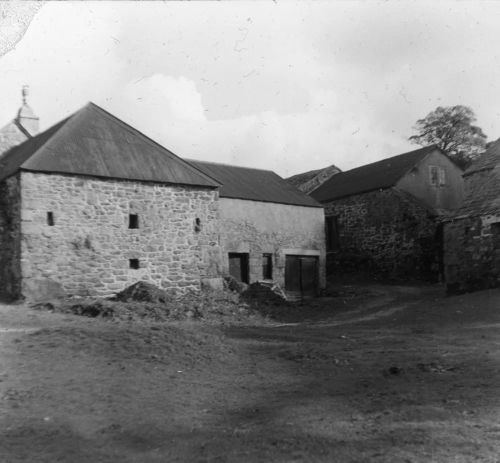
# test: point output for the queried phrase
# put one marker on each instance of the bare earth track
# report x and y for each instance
(394, 375)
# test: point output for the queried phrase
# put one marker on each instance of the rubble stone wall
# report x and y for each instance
(472, 253)
(256, 227)
(87, 250)
(386, 233)
(10, 239)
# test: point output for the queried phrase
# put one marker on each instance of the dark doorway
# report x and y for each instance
(439, 238)
(301, 275)
(238, 266)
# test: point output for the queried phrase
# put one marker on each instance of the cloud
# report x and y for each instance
(176, 96)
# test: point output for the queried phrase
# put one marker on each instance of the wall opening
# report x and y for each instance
(267, 266)
(332, 233)
(197, 224)
(133, 263)
(50, 219)
(301, 275)
(133, 221)
(238, 266)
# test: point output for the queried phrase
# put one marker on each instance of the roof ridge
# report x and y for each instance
(146, 138)
(232, 165)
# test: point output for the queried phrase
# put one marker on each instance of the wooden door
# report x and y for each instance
(301, 275)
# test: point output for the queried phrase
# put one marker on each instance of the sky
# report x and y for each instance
(281, 85)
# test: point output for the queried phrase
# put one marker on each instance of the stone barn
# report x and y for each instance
(472, 235)
(91, 206)
(269, 230)
(385, 217)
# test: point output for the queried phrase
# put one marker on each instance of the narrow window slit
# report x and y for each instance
(50, 219)
(197, 224)
(133, 221)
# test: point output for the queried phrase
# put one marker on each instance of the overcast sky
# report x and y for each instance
(278, 85)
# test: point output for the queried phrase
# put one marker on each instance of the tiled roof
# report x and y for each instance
(254, 184)
(488, 160)
(93, 142)
(378, 175)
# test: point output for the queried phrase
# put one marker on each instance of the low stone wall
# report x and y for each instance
(89, 248)
(472, 253)
(386, 233)
(10, 239)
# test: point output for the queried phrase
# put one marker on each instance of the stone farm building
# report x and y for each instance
(384, 217)
(92, 205)
(269, 229)
(472, 236)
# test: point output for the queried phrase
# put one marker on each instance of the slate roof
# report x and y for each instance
(376, 176)
(254, 184)
(488, 160)
(93, 142)
(299, 179)
(484, 195)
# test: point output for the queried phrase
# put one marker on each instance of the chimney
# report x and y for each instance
(26, 119)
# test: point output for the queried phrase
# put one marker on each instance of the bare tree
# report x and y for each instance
(452, 130)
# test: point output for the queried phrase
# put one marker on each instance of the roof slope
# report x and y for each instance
(93, 142)
(488, 160)
(483, 198)
(254, 184)
(299, 179)
(378, 175)
(308, 181)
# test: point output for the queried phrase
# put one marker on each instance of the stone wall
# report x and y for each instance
(88, 250)
(10, 269)
(256, 227)
(472, 253)
(386, 233)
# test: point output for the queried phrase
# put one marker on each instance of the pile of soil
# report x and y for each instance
(144, 301)
(143, 291)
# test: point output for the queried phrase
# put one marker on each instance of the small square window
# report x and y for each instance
(133, 263)
(133, 221)
(50, 219)
(495, 228)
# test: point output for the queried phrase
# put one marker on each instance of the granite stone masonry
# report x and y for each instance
(76, 235)
(472, 253)
(10, 238)
(385, 232)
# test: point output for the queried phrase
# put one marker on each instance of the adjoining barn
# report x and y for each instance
(269, 230)
(91, 206)
(472, 235)
(385, 217)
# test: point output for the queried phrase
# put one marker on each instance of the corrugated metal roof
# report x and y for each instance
(94, 142)
(488, 160)
(254, 184)
(376, 176)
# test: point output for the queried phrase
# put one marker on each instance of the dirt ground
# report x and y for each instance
(382, 374)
